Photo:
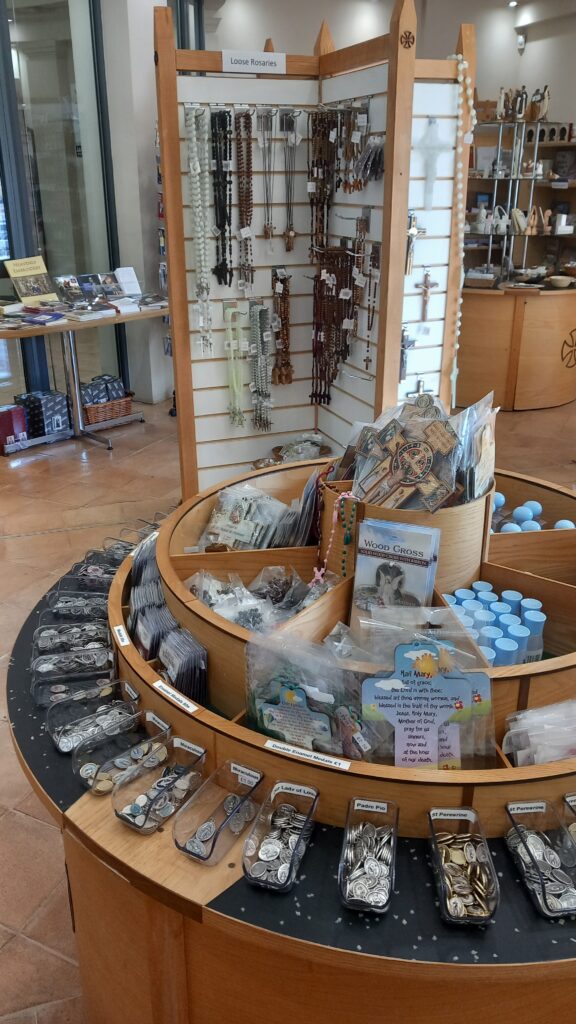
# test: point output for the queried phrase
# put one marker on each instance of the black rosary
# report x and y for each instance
(221, 128)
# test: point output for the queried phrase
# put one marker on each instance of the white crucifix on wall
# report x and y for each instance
(431, 146)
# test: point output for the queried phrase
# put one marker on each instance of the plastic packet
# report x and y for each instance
(185, 663)
(274, 582)
(475, 427)
(244, 609)
(151, 625)
(243, 518)
(209, 589)
(144, 564)
(74, 606)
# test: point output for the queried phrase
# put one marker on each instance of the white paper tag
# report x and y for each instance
(246, 232)
(279, 288)
(267, 336)
(247, 776)
(192, 748)
(251, 386)
(215, 231)
(360, 742)
(311, 186)
(355, 137)
(121, 636)
(347, 324)
(151, 717)
(360, 281)
(244, 346)
(362, 120)
(376, 276)
(332, 135)
(132, 693)
(371, 805)
(452, 813)
(527, 807)
(178, 698)
(308, 755)
(291, 787)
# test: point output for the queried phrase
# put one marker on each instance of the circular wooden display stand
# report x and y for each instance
(415, 790)
(155, 948)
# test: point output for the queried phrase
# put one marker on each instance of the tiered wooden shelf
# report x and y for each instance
(223, 733)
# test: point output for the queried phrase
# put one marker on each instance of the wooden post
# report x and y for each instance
(324, 41)
(395, 215)
(166, 88)
(467, 47)
(269, 45)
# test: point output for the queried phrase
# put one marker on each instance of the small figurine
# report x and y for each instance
(501, 104)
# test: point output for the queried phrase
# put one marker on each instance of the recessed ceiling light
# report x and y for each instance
(512, 3)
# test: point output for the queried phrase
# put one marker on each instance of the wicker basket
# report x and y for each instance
(108, 410)
(463, 542)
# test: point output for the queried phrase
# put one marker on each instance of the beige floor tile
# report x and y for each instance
(70, 1012)
(5, 934)
(14, 787)
(26, 1017)
(32, 859)
(51, 926)
(31, 975)
(34, 808)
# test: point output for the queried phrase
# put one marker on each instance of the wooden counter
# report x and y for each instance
(519, 343)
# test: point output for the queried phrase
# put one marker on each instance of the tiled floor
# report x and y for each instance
(55, 503)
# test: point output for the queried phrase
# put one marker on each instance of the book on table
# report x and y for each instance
(32, 282)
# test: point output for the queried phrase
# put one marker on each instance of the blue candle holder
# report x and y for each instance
(513, 598)
(506, 652)
(500, 608)
(489, 634)
(488, 653)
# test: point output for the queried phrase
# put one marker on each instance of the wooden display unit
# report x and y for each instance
(519, 343)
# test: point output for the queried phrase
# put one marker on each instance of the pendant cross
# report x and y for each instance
(426, 286)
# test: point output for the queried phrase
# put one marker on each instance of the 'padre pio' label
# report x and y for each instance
(254, 62)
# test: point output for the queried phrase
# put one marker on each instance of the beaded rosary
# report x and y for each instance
(348, 522)
(322, 152)
(265, 121)
(333, 321)
(221, 127)
(260, 366)
(196, 124)
(353, 138)
(234, 349)
(373, 282)
(289, 178)
(282, 371)
(243, 132)
(466, 94)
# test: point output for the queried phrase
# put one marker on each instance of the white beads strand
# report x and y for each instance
(196, 123)
(234, 351)
(465, 98)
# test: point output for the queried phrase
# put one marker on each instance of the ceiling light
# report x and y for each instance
(512, 3)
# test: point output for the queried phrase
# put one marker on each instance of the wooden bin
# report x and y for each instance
(463, 543)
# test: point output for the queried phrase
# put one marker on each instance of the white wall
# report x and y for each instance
(129, 53)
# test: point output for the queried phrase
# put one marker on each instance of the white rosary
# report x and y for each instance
(260, 366)
(235, 349)
(196, 123)
(465, 95)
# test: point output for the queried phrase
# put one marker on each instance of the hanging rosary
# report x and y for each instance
(221, 127)
(243, 132)
(373, 282)
(282, 372)
(465, 97)
(333, 321)
(260, 366)
(322, 153)
(235, 347)
(265, 121)
(290, 144)
(353, 139)
(196, 124)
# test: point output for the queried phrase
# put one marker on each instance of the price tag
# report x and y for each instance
(215, 231)
(244, 346)
(362, 120)
(345, 293)
(376, 276)
(279, 288)
(121, 636)
(246, 232)
(226, 165)
(247, 776)
(360, 280)
(347, 325)
(253, 351)
(355, 272)
(267, 336)
(311, 186)
(356, 137)
(332, 135)
(251, 386)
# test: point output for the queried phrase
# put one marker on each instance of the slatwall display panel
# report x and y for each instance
(432, 251)
(223, 448)
(353, 392)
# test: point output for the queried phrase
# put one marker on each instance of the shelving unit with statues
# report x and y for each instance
(520, 259)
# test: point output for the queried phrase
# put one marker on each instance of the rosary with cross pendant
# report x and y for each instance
(414, 232)
(426, 286)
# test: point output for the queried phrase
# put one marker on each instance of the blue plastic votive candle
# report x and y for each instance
(505, 621)
(450, 599)
(513, 598)
(471, 607)
(488, 653)
(487, 597)
(535, 621)
(500, 608)
(529, 604)
(484, 618)
(481, 585)
(520, 634)
(506, 652)
(464, 595)
(489, 634)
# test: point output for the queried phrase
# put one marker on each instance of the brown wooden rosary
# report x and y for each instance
(243, 134)
(282, 371)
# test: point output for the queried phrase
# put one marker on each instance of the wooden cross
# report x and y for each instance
(406, 468)
(426, 286)
(414, 232)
